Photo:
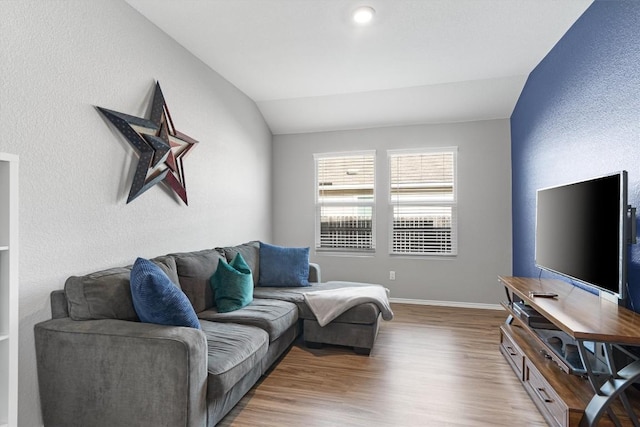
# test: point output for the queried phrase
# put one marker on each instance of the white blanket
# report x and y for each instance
(326, 305)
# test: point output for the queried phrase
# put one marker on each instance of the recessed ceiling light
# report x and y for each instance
(363, 15)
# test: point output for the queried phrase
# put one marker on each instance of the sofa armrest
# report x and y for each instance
(117, 372)
(314, 273)
(59, 306)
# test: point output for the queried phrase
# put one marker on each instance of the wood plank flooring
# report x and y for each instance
(431, 366)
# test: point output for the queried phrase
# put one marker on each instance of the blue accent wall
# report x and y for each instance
(579, 117)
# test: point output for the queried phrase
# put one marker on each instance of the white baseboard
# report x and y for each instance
(447, 303)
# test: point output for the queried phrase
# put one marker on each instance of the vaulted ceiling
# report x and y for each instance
(309, 67)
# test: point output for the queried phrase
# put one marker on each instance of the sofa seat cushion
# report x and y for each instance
(364, 314)
(232, 351)
(270, 315)
(293, 295)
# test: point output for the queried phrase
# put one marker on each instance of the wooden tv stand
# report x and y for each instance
(556, 358)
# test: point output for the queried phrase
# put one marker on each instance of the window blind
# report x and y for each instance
(345, 198)
(423, 203)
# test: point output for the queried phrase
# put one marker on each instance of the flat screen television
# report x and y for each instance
(581, 232)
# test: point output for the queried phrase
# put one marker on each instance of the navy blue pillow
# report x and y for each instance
(283, 267)
(157, 300)
(232, 285)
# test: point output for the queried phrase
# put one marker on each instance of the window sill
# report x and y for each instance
(430, 257)
(363, 254)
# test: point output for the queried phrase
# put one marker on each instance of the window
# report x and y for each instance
(423, 202)
(345, 201)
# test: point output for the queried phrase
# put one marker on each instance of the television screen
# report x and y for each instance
(581, 231)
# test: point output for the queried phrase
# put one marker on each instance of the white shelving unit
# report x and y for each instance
(8, 290)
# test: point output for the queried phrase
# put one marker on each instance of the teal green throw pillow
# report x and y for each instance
(232, 285)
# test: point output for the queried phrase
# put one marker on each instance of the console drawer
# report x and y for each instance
(512, 353)
(545, 398)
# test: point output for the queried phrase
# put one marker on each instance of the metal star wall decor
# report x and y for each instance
(161, 148)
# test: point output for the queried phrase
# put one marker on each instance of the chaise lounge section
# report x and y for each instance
(357, 327)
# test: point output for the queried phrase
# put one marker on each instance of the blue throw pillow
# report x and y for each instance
(157, 300)
(280, 266)
(232, 285)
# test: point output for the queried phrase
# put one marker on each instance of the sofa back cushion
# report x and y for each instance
(106, 294)
(250, 253)
(194, 271)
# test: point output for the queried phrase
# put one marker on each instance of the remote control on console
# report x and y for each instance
(534, 294)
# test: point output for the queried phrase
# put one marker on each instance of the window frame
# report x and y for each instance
(371, 204)
(442, 202)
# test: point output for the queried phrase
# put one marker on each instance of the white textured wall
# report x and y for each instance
(59, 59)
(484, 192)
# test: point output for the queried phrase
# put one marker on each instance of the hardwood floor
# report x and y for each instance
(431, 366)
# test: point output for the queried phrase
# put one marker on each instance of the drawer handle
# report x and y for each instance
(545, 398)
(511, 351)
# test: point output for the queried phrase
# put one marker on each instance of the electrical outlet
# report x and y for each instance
(392, 275)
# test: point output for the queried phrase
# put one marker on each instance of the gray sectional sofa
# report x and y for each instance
(98, 365)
